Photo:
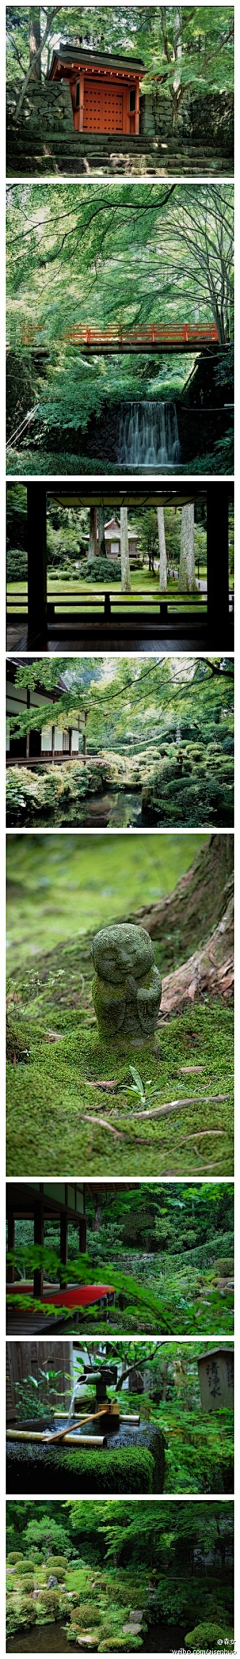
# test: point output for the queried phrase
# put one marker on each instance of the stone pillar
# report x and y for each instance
(217, 566)
(37, 566)
(38, 1240)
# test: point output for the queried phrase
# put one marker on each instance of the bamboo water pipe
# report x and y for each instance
(72, 1439)
(135, 1418)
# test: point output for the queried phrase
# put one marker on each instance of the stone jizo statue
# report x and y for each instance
(126, 988)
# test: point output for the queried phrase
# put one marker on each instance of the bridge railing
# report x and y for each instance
(89, 335)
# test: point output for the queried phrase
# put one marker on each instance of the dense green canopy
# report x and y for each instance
(108, 254)
(172, 1561)
(197, 40)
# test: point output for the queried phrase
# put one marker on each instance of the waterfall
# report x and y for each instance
(148, 435)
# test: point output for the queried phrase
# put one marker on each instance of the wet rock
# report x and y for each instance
(126, 989)
(52, 1583)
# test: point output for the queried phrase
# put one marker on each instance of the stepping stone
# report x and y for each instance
(133, 1629)
(87, 1640)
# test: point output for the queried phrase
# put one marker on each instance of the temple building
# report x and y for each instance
(112, 534)
(62, 1203)
(104, 88)
(51, 742)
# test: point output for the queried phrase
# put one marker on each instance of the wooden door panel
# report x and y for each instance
(103, 108)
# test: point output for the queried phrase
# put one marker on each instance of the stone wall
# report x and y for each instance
(44, 137)
(208, 119)
(47, 108)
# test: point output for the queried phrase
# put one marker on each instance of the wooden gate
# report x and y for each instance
(103, 107)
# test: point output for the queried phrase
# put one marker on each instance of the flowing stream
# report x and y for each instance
(148, 435)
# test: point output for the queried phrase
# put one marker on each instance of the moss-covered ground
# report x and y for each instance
(87, 1599)
(69, 1101)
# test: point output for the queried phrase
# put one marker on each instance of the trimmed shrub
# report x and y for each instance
(27, 1610)
(17, 564)
(207, 1637)
(15, 1556)
(82, 1615)
(101, 570)
(48, 1602)
(57, 1564)
(28, 1582)
(25, 1566)
(224, 1265)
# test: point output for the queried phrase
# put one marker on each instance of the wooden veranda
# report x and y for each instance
(117, 620)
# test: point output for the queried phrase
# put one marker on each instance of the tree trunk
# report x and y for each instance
(162, 550)
(209, 972)
(101, 533)
(197, 904)
(92, 550)
(32, 71)
(177, 40)
(125, 562)
(187, 582)
(85, 736)
(35, 41)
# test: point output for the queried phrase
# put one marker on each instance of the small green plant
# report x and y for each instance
(38, 1396)
(143, 1093)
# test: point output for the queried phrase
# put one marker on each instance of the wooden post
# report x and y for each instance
(11, 1236)
(93, 533)
(81, 100)
(137, 110)
(101, 533)
(38, 1240)
(28, 733)
(37, 565)
(63, 1246)
(53, 737)
(85, 736)
(82, 1235)
(70, 739)
(217, 566)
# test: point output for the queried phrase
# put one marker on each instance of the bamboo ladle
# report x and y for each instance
(62, 1434)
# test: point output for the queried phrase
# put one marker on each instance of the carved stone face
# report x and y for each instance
(122, 950)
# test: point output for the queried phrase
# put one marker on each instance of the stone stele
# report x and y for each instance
(126, 989)
(216, 1377)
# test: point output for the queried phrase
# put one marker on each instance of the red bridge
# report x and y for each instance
(97, 341)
